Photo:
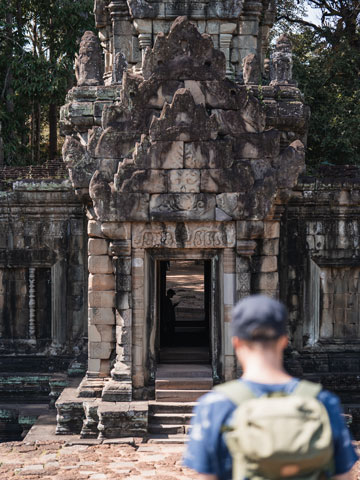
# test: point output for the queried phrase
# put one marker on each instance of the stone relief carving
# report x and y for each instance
(170, 235)
(88, 64)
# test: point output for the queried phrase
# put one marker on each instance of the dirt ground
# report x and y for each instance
(58, 461)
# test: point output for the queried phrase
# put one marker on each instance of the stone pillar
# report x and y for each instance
(119, 389)
(226, 36)
(122, 29)
(138, 295)
(32, 304)
(229, 259)
(101, 302)
(144, 29)
(249, 28)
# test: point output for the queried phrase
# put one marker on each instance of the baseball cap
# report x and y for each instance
(259, 318)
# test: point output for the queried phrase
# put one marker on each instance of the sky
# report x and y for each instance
(314, 15)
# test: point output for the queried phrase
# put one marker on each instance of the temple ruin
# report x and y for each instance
(185, 149)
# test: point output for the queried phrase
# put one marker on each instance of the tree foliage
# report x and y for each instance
(327, 67)
(38, 42)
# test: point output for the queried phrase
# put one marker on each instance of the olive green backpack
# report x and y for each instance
(278, 435)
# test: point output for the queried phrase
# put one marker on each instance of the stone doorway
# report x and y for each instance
(184, 309)
(196, 278)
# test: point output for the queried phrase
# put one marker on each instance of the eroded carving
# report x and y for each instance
(88, 64)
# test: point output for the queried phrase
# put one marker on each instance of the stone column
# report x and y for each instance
(32, 305)
(249, 28)
(119, 389)
(144, 29)
(226, 36)
(101, 302)
(122, 28)
(229, 259)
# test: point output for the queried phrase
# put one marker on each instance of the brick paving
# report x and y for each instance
(59, 461)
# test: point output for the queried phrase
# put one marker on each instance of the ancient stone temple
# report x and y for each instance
(175, 160)
(184, 174)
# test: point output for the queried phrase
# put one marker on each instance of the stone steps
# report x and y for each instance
(171, 407)
(179, 395)
(177, 389)
(183, 383)
(171, 419)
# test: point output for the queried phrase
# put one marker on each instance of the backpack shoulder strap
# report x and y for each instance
(307, 389)
(236, 391)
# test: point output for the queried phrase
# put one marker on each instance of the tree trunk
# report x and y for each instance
(53, 137)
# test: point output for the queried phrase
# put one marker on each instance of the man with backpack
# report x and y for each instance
(267, 425)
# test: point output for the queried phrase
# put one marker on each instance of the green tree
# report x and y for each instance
(39, 40)
(327, 67)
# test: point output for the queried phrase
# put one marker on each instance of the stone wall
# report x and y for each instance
(43, 285)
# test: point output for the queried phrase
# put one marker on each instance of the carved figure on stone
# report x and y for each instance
(119, 67)
(184, 54)
(89, 62)
(282, 63)
(251, 70)
(81, 166)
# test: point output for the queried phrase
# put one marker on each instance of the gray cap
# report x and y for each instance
(259, 318)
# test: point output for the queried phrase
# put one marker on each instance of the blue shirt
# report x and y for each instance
(207, 452)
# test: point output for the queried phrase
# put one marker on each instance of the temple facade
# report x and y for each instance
(184, 145)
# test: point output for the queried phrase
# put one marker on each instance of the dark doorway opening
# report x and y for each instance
(185, 304)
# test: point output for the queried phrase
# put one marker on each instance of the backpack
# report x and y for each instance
(278, 435)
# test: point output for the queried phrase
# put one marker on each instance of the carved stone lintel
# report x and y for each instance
(193, 235)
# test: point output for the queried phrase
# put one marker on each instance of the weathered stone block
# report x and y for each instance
(100, 264)
(120, 248)
(184, 120)
(123, 301)
(249, 229)
(165, 155)
(184, 181)
(123, 318)
(250, 145)
(101, 299)
(100, 350)
(94, 229)
(101, 282)
(196, 91)
(93, 334)
(268, 264)
(182, 206)
(266, 281)
(123, 283)
(101, 316)
(97, 246)
(272, 229)
(270, 247)
(106, 333)
(116, 231)
(236, 122)
(147, 181)
(123, 266)
(216, 154)
(238, 178)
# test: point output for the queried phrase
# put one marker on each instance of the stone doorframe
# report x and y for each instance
(152, 259)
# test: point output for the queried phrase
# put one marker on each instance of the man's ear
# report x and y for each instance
(284, 341)
(237, 342)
